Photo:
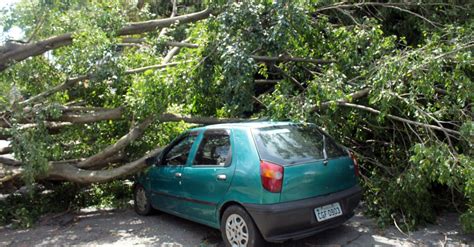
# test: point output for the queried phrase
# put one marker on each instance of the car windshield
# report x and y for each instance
(294, 143)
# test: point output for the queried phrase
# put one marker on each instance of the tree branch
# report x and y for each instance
(116, 114)
(8, 173)
(404, 120)
(292, 59)
(22, 52)
(78, 175)
(108, 114)
(174, 12)
(67, 84)
(135, 133)
(152, 25)
(72, 81)
(353, 96)
(5, 150)
(167, 43)
(292, 79)
(385, 5)
(9, 162)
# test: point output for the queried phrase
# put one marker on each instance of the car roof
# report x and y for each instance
(244, 125)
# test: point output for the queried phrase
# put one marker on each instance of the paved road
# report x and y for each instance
(125, 228)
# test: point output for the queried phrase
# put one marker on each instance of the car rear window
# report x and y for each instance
(294, 143)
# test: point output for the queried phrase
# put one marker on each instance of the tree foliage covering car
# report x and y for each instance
(90, 86)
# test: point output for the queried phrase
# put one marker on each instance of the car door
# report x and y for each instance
(207, 178)
(166, 184)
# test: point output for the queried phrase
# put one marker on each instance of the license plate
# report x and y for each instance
(328, 211)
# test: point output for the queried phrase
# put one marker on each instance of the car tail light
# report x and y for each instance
(271, 175)
(356, 164)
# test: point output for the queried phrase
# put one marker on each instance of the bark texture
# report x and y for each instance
(77, 175)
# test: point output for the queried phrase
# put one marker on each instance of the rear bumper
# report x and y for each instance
(296, 219)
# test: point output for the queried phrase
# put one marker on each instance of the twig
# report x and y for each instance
(385, 5)
(369, 109)
(291, 78)
(396, 225)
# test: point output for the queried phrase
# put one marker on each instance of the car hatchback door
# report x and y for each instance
(207, 179)
(166, 178)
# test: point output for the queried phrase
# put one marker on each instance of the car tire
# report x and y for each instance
(238, 229)
(141, 202)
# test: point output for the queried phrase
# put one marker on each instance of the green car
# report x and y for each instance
(255, 181)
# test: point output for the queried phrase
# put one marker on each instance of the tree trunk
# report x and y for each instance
(77, 175)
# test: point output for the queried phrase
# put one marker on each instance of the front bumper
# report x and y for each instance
(295, 220)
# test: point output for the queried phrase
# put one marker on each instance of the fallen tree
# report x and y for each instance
(86, 104)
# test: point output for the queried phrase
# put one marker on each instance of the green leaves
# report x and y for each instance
(413, 71)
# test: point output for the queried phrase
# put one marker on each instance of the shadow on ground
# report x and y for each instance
(124, 227)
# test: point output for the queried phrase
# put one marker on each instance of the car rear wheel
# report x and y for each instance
(141, 203)
(238, 228)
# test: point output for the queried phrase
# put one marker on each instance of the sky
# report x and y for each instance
(14, 32)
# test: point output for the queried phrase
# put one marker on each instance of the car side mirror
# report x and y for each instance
(150, 161)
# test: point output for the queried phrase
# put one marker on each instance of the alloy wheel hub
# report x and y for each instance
(236, 231)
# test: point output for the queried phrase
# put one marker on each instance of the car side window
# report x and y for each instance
(178, 154)
(214, 150)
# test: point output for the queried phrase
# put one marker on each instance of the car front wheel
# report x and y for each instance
(141, 203)
(238, 229)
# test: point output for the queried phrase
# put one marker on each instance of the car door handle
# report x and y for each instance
(221, 177)
(178, 174)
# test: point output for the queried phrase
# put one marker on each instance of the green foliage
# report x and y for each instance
(416, 59)
(115, 194)
(24, 210)
(403, 165)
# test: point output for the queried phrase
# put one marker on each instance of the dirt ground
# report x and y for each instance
(125, 228)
